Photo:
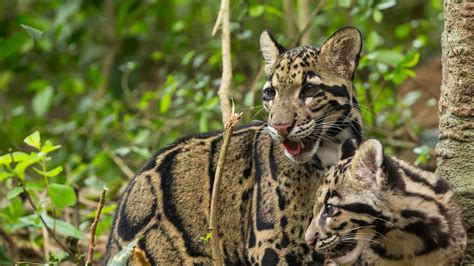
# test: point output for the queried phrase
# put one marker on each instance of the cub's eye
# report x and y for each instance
(328, 210)
(309, 90)
(269, 94)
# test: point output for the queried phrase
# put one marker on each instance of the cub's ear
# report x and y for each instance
(341, 51)
(367, 163)
(270, 50)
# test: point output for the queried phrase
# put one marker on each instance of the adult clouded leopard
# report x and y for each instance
(386, 211)
(269, 179)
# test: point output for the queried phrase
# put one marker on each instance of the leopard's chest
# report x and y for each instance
(283, 198)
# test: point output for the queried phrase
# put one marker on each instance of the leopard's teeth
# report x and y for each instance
(302, 145)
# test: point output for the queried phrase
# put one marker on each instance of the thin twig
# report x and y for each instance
(226, 80)
(119, 162)
(113, 46)
(50, 231)
(12, 249)
(100, 205)
(306, 26)
(45, 242)
(229, 127)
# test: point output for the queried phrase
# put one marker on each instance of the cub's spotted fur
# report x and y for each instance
(386, 211)
(269, 179)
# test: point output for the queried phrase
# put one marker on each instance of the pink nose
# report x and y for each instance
(311, 242)
(282, 129)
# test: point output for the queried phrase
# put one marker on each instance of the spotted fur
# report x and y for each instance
(265, 192)
(373, 209)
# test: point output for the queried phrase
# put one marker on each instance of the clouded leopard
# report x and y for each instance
(374, 209)
(271, 173)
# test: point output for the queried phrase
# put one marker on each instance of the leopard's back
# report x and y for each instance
(167, 202)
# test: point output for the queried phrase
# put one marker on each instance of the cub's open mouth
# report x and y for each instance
(295, 148)
(340, 250)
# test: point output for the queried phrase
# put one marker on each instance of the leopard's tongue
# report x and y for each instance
(292, 147)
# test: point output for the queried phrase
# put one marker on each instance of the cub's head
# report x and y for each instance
(308, 93)
(349, 203)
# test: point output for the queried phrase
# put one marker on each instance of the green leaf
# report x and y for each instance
(122, 257)
(42, 101)
(32, 159)
(373, 40)
(12, 44)
(165, 102)
(423, 153)
(385, 4)
(17, 157)
(256, 10)
(52, 173)
(33, 140)
(203, 122)
(390, 57)
(403, 31)
(14, 192)
(378, 16)
(5, 175)
(18, 190)
(62, 227)
(15, 210)
(344, 3)
(273, 11)
(49, 147)
(411, 60)
(35, 34)
(143, 152)
(62, 195)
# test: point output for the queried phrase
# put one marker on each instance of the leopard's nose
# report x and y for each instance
(282, 129)
(311, 242)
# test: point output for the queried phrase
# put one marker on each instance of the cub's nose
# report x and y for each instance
(282, 129)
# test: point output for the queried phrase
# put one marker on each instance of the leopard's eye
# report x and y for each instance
(269, 94)
(328, 210)
(309, 90)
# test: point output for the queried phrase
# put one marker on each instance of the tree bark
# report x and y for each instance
(290, 26)
(455, 149)
(303, 14)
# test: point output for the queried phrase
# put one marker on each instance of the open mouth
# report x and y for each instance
(341, 250)
(297, 147)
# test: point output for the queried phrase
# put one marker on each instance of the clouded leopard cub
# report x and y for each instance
(376, 210)
(271, 173)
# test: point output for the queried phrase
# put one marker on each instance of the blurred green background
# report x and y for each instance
(114, 81)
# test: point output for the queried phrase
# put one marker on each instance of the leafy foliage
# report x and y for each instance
(112, 89)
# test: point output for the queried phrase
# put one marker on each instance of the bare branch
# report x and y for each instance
(113, 45)
(229, 127)
(226, 80)
(119, 162)
(90, 253)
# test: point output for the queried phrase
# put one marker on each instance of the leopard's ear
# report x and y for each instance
(271, 49)
(367, 163)
(341, 51)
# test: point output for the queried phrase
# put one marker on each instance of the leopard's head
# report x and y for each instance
(350, 203)
(308, 92)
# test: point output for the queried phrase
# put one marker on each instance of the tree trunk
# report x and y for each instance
(303, 14)
(455, 149)
(290, 27)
